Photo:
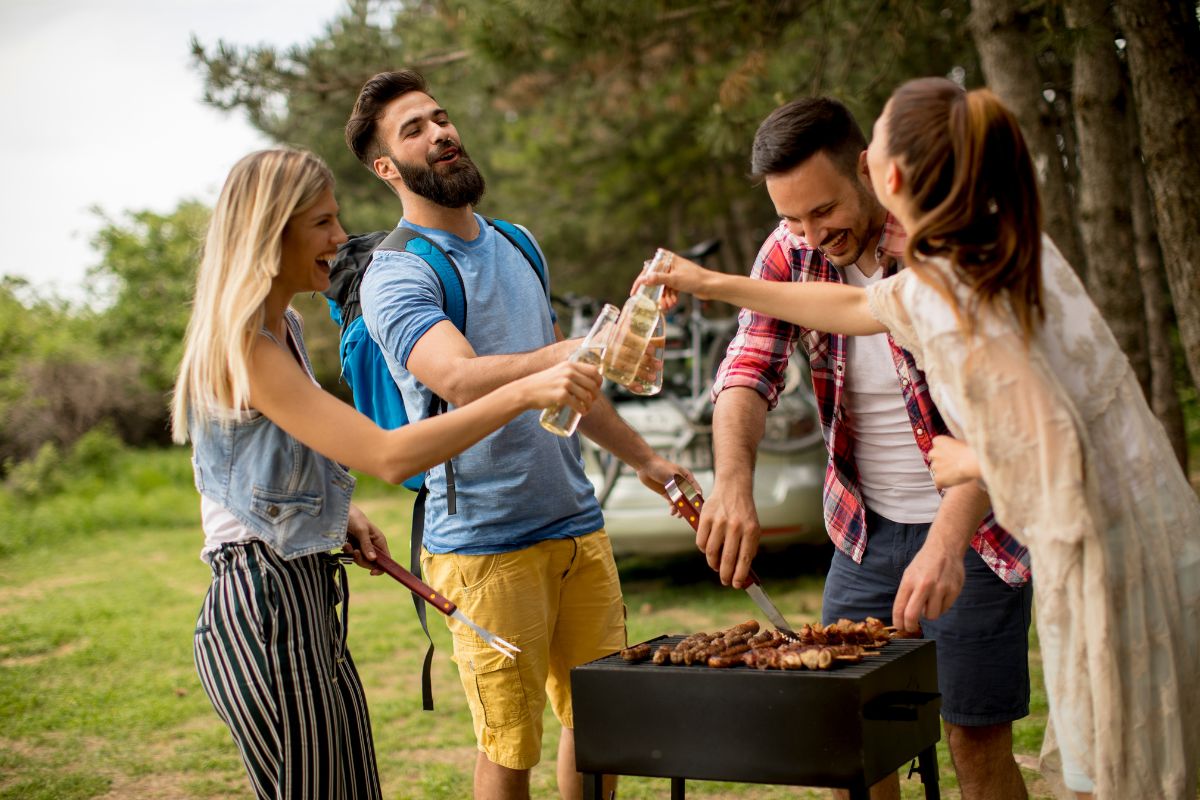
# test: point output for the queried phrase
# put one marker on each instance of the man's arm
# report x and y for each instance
(444, 360)
(604, 426)
(934, 578)
(729, 529)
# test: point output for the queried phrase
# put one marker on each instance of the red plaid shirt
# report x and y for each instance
(759, 353)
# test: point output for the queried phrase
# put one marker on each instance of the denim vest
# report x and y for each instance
(295, 500)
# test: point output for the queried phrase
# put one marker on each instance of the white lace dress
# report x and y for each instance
(1080, 470)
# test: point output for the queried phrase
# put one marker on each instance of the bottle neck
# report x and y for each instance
(601, 328)
(653, 293)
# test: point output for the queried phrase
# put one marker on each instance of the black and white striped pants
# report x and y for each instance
(271, 654)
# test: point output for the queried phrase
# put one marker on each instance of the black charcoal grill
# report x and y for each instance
(846, 728)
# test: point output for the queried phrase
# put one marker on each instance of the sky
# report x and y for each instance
(102, 108)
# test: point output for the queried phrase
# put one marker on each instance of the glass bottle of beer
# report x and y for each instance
(562, 420)
(635, 327)
(649, 376)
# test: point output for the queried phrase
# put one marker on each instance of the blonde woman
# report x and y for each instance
(269, 448)
(1049, 416)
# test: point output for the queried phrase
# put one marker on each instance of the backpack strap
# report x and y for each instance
(522, 241)
(454, 293)
(418, 530)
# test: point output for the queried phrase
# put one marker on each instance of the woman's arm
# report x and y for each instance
(828, 307)
(281, 390)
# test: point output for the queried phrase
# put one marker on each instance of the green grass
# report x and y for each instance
(99, 697)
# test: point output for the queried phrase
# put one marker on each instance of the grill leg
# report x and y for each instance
(860, 792)
(593, 786)
(677, 789)
(927, 766)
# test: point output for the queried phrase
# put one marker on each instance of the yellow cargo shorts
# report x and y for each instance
(560, 602)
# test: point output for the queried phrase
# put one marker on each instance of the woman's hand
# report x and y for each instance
(364, 540)
(571, 383)
(952, 462)
(681, 275)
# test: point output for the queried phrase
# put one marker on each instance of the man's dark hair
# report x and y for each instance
(797, 131)
(374, 96)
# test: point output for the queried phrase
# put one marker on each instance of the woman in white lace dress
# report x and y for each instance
(1030, 378)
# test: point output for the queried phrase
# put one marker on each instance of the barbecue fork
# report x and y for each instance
(438, 601)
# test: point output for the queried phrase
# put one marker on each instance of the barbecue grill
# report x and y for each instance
(845, 728)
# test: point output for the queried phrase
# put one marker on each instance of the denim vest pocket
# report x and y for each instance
(275, 506)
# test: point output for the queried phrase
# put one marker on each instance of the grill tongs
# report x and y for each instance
(687, 498)
(440, 602)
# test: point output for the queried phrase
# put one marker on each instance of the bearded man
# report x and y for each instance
(523, 552)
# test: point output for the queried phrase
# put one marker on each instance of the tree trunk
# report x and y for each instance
(1164, 65)
(1105, 216)
(1163, 394)
(1001, 32)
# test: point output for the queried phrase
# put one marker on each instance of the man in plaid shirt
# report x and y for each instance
(903, 551)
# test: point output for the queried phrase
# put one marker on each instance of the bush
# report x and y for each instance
(98, 485)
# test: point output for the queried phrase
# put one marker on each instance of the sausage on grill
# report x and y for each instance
(639, 652)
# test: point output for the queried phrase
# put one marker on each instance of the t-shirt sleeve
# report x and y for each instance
(888, 301)
(401, 300)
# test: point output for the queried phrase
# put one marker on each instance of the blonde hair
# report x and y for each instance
(242, 255)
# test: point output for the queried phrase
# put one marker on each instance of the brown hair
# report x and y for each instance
(796, 131)
(373, 98)
(975, 192)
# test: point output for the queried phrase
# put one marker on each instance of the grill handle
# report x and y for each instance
(898, 706)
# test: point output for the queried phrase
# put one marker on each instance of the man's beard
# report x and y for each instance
(868, 206)
(461, 185)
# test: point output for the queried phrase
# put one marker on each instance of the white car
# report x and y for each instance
(788, 477)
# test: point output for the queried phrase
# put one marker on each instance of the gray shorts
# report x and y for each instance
(982, 641)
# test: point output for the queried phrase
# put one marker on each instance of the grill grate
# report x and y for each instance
(893, 650)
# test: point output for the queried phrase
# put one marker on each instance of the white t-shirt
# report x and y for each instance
(220, 527)
(893, 478)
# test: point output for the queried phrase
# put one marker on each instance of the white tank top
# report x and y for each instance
(893, 478)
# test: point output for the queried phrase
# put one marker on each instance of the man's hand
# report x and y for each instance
(929, 587)
(656, 471)
(729, 533)
(934, 578)
(364, 540)
(952, 462)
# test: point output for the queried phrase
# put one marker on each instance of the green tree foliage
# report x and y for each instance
(609, 127)
(56, 380)
(65, 369)
(144, 282)
(111, 360)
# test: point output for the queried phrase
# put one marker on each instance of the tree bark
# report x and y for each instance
(1105, 216)
(1001, 30)
(1163, 394)
(1164, 64)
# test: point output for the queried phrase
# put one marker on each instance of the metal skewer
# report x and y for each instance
(687, 498)
(440, 602)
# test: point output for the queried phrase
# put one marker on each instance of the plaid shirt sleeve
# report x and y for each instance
(758, 354)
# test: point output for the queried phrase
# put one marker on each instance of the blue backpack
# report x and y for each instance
(363, 367)
(365, 371)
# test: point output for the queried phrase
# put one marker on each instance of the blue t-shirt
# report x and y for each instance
(521, 484)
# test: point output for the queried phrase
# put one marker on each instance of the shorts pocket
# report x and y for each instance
(499, 689)
(475, 571)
